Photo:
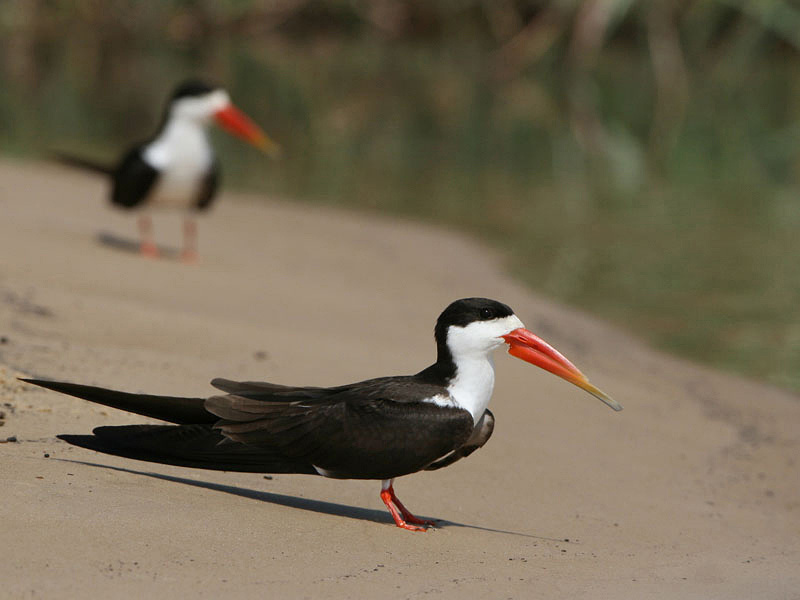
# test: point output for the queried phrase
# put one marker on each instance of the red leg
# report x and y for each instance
(405, 512)
(147, 248)
(402, 517)
(189, 254)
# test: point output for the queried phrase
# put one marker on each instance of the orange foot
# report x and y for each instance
(401, 515)
(149, 250)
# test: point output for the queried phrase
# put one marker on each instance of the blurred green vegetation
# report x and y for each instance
(637, 159)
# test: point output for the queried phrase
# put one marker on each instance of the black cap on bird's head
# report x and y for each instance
(468, 310)
(192, 88)
(200, 101)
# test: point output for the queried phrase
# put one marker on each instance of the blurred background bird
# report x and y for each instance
(176, 167)
(636, 159)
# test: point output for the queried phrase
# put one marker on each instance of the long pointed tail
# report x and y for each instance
(192, 443)
(197, 446)
(81, 163)
(172, 409)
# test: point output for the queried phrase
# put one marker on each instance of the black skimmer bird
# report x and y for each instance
(176, 168)
(376, 429)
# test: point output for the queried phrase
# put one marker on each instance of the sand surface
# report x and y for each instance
(693, 491)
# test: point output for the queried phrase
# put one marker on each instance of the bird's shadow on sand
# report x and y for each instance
(132, 246)
(317, 506)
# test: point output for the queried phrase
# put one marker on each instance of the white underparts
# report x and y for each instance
(182, 154)
(323, 472)
(441, 400)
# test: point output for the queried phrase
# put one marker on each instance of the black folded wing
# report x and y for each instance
(376, 429)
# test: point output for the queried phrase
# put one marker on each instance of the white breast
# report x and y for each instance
(473, 384)
(183, 155)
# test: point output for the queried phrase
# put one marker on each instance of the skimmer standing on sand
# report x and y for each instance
(177, 168)
(376, 429)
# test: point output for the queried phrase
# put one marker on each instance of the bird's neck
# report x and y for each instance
(473, 383)
(469, 379)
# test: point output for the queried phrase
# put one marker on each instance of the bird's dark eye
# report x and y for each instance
(487, 313)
